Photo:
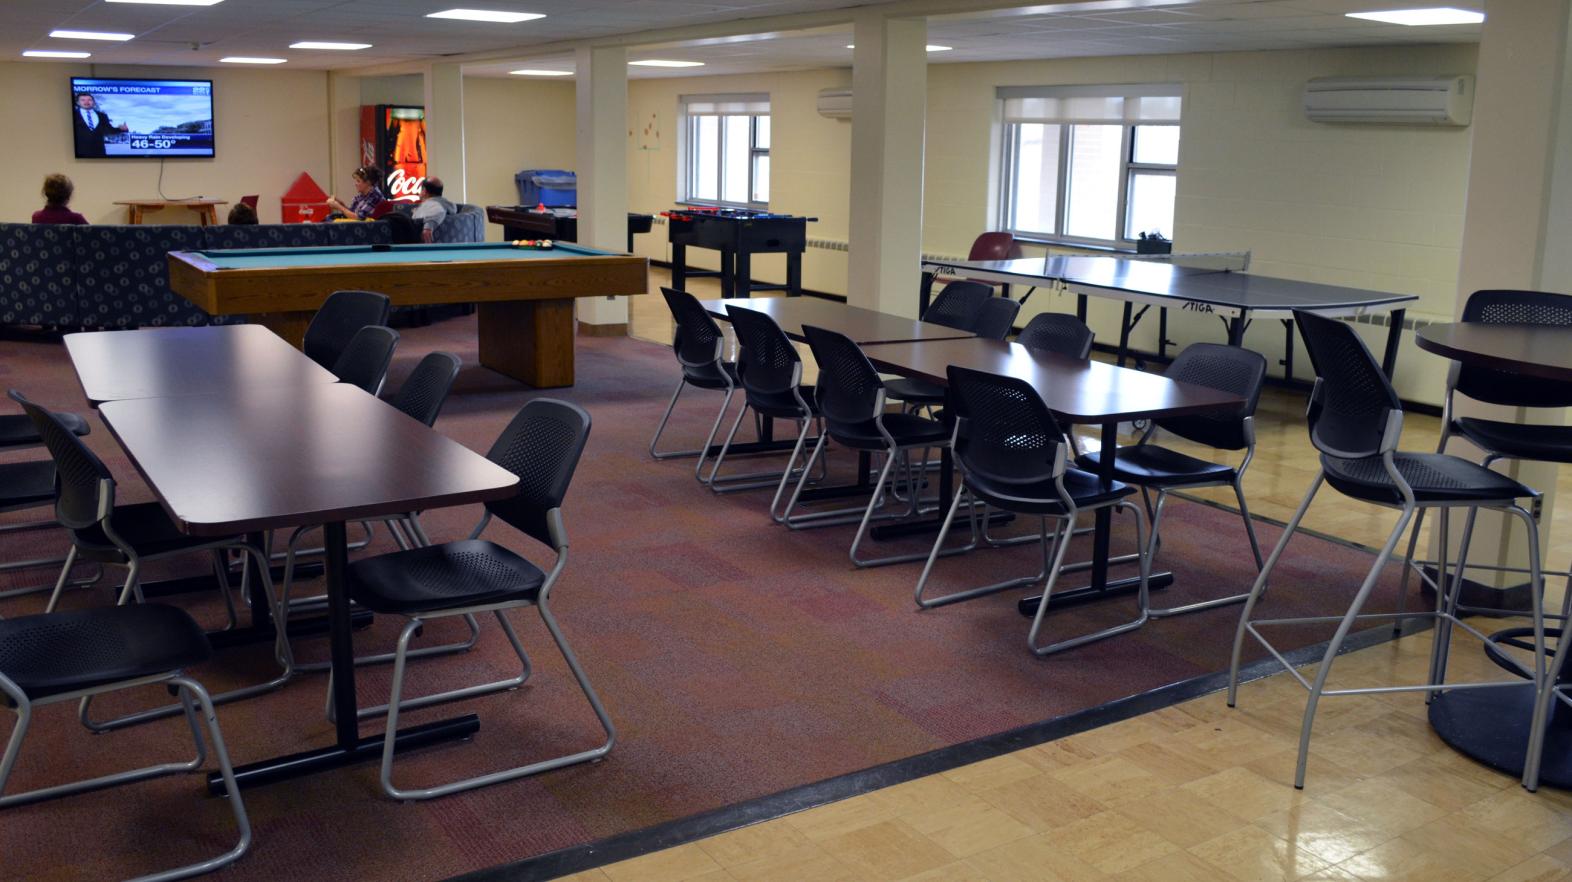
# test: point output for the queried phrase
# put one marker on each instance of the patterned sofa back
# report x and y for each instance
(116, 276)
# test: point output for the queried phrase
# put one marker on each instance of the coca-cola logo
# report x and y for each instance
(403, 187)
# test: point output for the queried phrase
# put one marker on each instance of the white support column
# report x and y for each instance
(445, 129)
(889, 100)
(602, 159)
(1519, 199)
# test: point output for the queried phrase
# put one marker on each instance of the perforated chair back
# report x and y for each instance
(1501, 307)
(1226, 368)
(84, 486)
(1349, 408)
(697, 339)
(958, 304)
(542, 445)
(994, 246)
(849, 390)
(1057, 332)
(996, 318)
(426, 390)
(1003, 431)
(767, 362)
(335, 324)
(365, 360)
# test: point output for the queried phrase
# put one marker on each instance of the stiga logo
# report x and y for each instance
(1197, 306)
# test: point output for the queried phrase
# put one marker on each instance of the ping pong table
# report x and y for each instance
(1210, 284)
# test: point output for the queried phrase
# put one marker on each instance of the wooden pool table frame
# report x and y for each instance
(526, 306)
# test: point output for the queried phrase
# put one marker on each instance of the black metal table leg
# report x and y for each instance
(348, 747)
(794, 274)
(679, 266)
(742, 273)
(1394, 335)
(1124, 332)
(1100, 586)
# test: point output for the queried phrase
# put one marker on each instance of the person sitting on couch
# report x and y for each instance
(242, 214)
(433, 209)
(368, 194)
(57, 200)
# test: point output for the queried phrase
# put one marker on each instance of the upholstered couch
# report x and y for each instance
(118, 276)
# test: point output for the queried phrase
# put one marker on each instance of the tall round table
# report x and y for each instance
(1491, 725)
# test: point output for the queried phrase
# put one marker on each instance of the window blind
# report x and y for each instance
(1091, 104)
(708, 105)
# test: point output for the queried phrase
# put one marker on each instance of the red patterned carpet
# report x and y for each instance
(738, 659)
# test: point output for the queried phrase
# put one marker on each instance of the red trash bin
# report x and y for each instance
(304, 202)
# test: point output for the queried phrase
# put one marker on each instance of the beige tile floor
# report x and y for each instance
(1192, 793)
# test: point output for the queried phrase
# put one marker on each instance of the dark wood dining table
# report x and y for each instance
(209, 360)
(257, 459)
(1076, 391)
(1492, 725)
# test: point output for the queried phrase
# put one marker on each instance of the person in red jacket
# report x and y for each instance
(57, 200)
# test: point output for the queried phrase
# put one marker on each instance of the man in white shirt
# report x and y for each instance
(432, 210)
(91, 127)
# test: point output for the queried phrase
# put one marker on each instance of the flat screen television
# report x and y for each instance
(151, 119)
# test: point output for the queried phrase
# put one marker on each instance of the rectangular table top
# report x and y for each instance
(861, 325)
(285, 457)
(1075, 390)
(1201, 282)
(228, 360)
(391, 255)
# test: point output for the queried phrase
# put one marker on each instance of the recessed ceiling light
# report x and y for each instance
(90, 35)
(244, 59)
(171, 2)
(658, 62)
(50, 53)
(930, 47)
(1444, 15)
(541, 73)
(490, 15)
(317, 44)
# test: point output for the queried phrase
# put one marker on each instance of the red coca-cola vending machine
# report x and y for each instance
(393, 138)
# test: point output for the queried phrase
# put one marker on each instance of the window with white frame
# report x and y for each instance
(725, 150)
(1092, 165)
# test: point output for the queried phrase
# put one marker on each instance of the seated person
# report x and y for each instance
(433, 209)
(368, 194)
(57, 199)
(242, 214)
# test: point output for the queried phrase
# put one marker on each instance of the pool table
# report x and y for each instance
(525, 296)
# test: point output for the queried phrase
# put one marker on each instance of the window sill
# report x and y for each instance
(749, 206)
(1078, 246)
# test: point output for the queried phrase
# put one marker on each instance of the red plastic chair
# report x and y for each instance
(250, 200)
(995, 246)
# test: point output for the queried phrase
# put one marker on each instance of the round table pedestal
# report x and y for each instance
(1491, 726)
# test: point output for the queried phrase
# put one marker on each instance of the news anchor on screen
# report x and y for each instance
(92, 126)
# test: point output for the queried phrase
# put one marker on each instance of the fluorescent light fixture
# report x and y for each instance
(930, 47)
(661, 62)
(50, 53)
(541, 73)
(90, 35)
(1443, 15)
(318, 44)
(244, 59)
(490, 15)
(170, 2)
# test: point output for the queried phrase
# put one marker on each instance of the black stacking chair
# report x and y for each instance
(1153, 467)
(850, 399)
(1503, 440)
(1355, 422)
(1013, 456)
(73, 656)
(960, 305)
(30, 484)
(770, 371)
(700, 349)
(996, 318)
(1057, 332)
(542, 446)
(131, 535)
(421, 397)
(364, 362)
(335, 324)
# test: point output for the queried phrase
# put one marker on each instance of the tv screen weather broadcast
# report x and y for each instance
(141, 118)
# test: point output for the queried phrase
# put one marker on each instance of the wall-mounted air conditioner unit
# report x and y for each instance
(1426, 101)
(835, 103)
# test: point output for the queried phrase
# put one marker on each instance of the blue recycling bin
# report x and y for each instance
(551, 187)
